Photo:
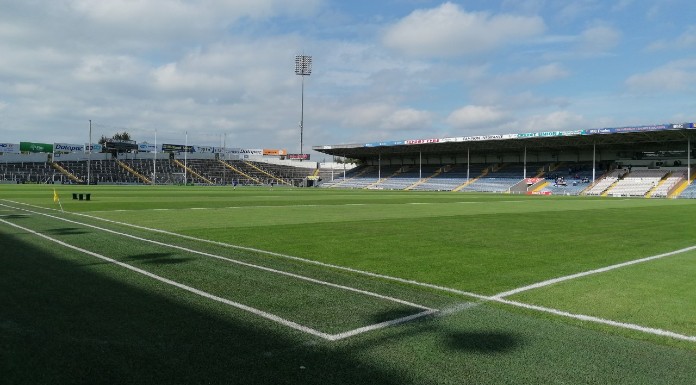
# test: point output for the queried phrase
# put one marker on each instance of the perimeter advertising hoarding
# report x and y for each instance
(146, 147)
(66, 148)
(273, 152)
(9, 148)
(298, 156)
(251, 151)
(96, 147)
(35, 147)
(167, 147)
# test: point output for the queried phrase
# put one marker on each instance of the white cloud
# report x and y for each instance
(538, 75)
(677, 76)
(599, 39)
(687, 40)
(553, 121)
(448, 30)
(475, 117)
(407, 119)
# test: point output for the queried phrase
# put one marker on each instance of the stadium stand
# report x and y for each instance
(689, 192)
(667, 185)
(636, 183)
(605, 182)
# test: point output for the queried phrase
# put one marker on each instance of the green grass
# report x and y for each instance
(68, 317)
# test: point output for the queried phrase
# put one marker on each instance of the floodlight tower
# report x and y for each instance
(303, 67)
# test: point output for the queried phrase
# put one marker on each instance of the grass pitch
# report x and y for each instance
(91, 295)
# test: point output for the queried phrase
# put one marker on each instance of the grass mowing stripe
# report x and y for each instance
(590, 272)
(268, 269)
(582, 317)
(201, 293)
(271, 253)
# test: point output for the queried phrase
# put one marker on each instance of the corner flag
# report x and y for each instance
(56, 199)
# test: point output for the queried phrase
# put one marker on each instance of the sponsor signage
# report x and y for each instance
(538, 192)
(35, 147)
(271, 152)
(298, 156)
(147, 147)
(222, 150)
(204, 149)
(10, 148)
(532, 180)
(95, 147)
(421, 141)
(167, 147)
(68, 148)
(251, 151)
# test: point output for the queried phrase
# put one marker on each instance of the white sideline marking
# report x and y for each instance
(201, 293)
(582, 317)
(381, 325)
(590, 272)
(402, 280)
(268, 269)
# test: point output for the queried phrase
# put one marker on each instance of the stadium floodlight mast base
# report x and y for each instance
(303, 67)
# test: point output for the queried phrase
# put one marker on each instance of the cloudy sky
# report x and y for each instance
(382, 69)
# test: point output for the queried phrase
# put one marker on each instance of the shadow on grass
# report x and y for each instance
(395, 314)
(484, 342)
(67, 231)
(106, 325)
(14, 216)
(159, 258)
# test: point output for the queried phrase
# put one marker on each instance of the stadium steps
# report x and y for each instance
(608, 189)
(661, 182)
(397, 172)
(541, 186)
(420, 182)
(240, 172)
(266, 173)
(472, 180)
(132, 171)
(66, 172)
(682, 187)
(361, 173)
(193, 172)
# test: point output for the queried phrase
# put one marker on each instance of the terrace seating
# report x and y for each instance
(603, 183)
(29, 172)
(637, 183)
(668, 184)
(689, 192)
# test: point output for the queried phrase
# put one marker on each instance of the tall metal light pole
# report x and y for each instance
(303, 67)
(89, 157)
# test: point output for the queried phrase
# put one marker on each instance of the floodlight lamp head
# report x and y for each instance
(303, 65)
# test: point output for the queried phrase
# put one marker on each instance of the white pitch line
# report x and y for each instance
(201, 293)
(590, 272)
(381, 325)
(263, 268)
(402, 280)
(271, 253)
(582, 317)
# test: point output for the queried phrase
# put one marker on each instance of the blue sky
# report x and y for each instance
(383, 70)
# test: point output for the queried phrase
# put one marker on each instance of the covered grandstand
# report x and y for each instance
(641, 161)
